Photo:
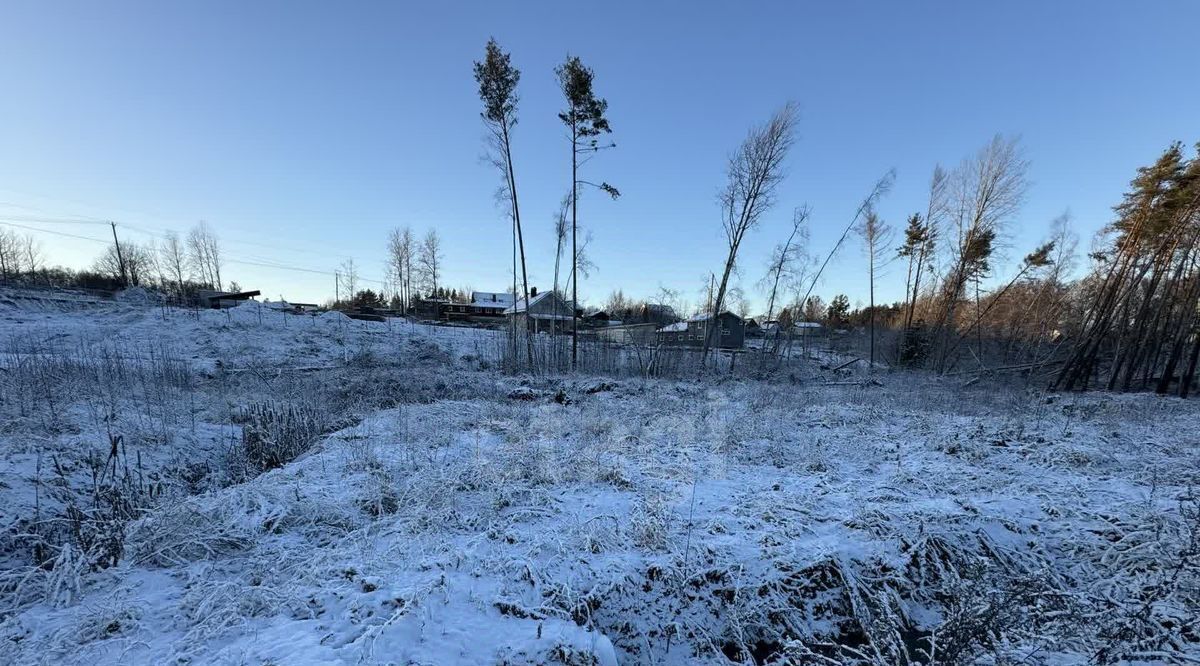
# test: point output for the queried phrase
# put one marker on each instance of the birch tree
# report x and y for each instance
(789, 262)
(32, 251)
(349, 277)
(429, 260)
(400, 263)
(753, 174)
(10, 254)
(173, 260)
(205, 254)
(785, 257)
(986, 190)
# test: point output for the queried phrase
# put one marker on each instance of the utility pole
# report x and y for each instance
(337, 289)
(120, 257)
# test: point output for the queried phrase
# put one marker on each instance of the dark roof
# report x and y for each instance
(229, 295)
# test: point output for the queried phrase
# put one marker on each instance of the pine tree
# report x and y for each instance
(585, 120)
(838, 312)
(497, 79)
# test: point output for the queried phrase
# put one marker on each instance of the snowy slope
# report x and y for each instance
(447, 518)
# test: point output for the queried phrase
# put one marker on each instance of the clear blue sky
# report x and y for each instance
(302, 132)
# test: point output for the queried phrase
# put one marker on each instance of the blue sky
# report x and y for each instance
(303, 132)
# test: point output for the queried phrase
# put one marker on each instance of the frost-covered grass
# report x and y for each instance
(448, 514)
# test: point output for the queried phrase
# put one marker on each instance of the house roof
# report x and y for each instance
(524, 303)
(229, 295)
(491, 298)
(674, 328)
(705, 315)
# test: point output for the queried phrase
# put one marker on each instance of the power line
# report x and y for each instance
(82, 219)
(52, 220)
(231, 260)
(56, 233)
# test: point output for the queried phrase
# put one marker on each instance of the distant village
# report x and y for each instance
(548, 313)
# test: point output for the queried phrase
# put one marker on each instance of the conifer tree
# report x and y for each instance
(586, 122)
(497, 79)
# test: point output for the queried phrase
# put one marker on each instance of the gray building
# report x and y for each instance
(691, 333)
(633, 334)
(546, 312)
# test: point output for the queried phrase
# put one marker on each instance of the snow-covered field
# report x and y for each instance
(448, 514)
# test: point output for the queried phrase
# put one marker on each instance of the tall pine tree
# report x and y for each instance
(586, 122)
(497, 79)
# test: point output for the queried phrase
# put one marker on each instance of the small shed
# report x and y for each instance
(546, 312)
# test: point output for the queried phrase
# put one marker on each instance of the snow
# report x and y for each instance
(453, 515)
(525, 303)
(704, 316)
(490, 299)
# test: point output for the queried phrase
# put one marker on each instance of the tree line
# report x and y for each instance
(176, 264)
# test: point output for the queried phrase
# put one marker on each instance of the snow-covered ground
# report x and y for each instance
(448, 514)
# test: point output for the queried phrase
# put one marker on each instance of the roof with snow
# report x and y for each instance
(705, 315)
(674, 328)
(524, 303)
(490, 299)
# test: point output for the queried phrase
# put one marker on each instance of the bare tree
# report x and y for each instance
(32, 251)
(561, 229)
(882, 187)
(786, 256)
(986, 190)
(920, 241)
(429, 260)
(876, 235)
(10, 254)
(787, 269)
(349, 277)
(133, 265)
(173, 260)
(739, 303)
(205, 255)
(754, 172)
(1039, 258)
(401, 257)
(19, 254)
